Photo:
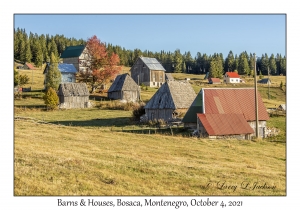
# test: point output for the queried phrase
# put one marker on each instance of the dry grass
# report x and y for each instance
(84, 157)
(36, 78)
(66, 160)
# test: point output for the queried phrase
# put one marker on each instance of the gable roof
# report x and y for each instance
(232, 74)
(73, 89)
(62, 67)
(196, 107)
(264, 81)
(233, 101)
(169, 76)
(225, 124)
(29, 65)
(152, 63)
(72, 51)
(172, 95)
(123, 82)
(282, 106)
(67, 68)
(215, 80)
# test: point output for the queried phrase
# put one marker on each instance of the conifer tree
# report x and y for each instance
(51, 98)
(53, 76)
(177, 61)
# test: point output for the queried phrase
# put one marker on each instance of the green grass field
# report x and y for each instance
(103, 152)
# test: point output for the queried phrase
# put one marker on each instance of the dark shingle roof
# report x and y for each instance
(264, 81)
(72, 51)
(169, 76)
(123, 82)
(172, 95)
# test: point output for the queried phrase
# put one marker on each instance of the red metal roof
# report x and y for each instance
(233, 74)
(30, 66)
(233, 101)
(225, 124)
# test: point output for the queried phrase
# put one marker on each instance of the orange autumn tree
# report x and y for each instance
(104, 65)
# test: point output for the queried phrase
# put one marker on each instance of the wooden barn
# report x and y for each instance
(227, 113)
(124, 88)
(78, 56)
(73, 95)
(148, 71)
(172, 99)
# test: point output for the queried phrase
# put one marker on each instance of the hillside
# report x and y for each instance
(101, 151)
(73, 160)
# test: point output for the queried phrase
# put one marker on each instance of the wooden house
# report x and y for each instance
(171, 100)
(73, 95)
(78, 56)
(231, 77)
(68, 72)
(124, 88)
(148, 71)
(228, 113)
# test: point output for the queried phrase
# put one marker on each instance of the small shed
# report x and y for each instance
(73, 95)
(214, 81)
(171, 100)
(281, 107)
(265, 81)
(28, 66)
(124, 88)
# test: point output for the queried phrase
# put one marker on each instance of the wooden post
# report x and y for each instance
(171, 130)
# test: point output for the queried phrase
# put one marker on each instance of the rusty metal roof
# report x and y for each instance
(233, 101)
(225, 124)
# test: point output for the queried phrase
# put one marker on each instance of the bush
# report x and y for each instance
(138, 111)
(51, 99)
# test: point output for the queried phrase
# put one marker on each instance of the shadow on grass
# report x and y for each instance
(42, 107)
(98, 122)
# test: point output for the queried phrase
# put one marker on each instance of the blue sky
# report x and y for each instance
(204, 33)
